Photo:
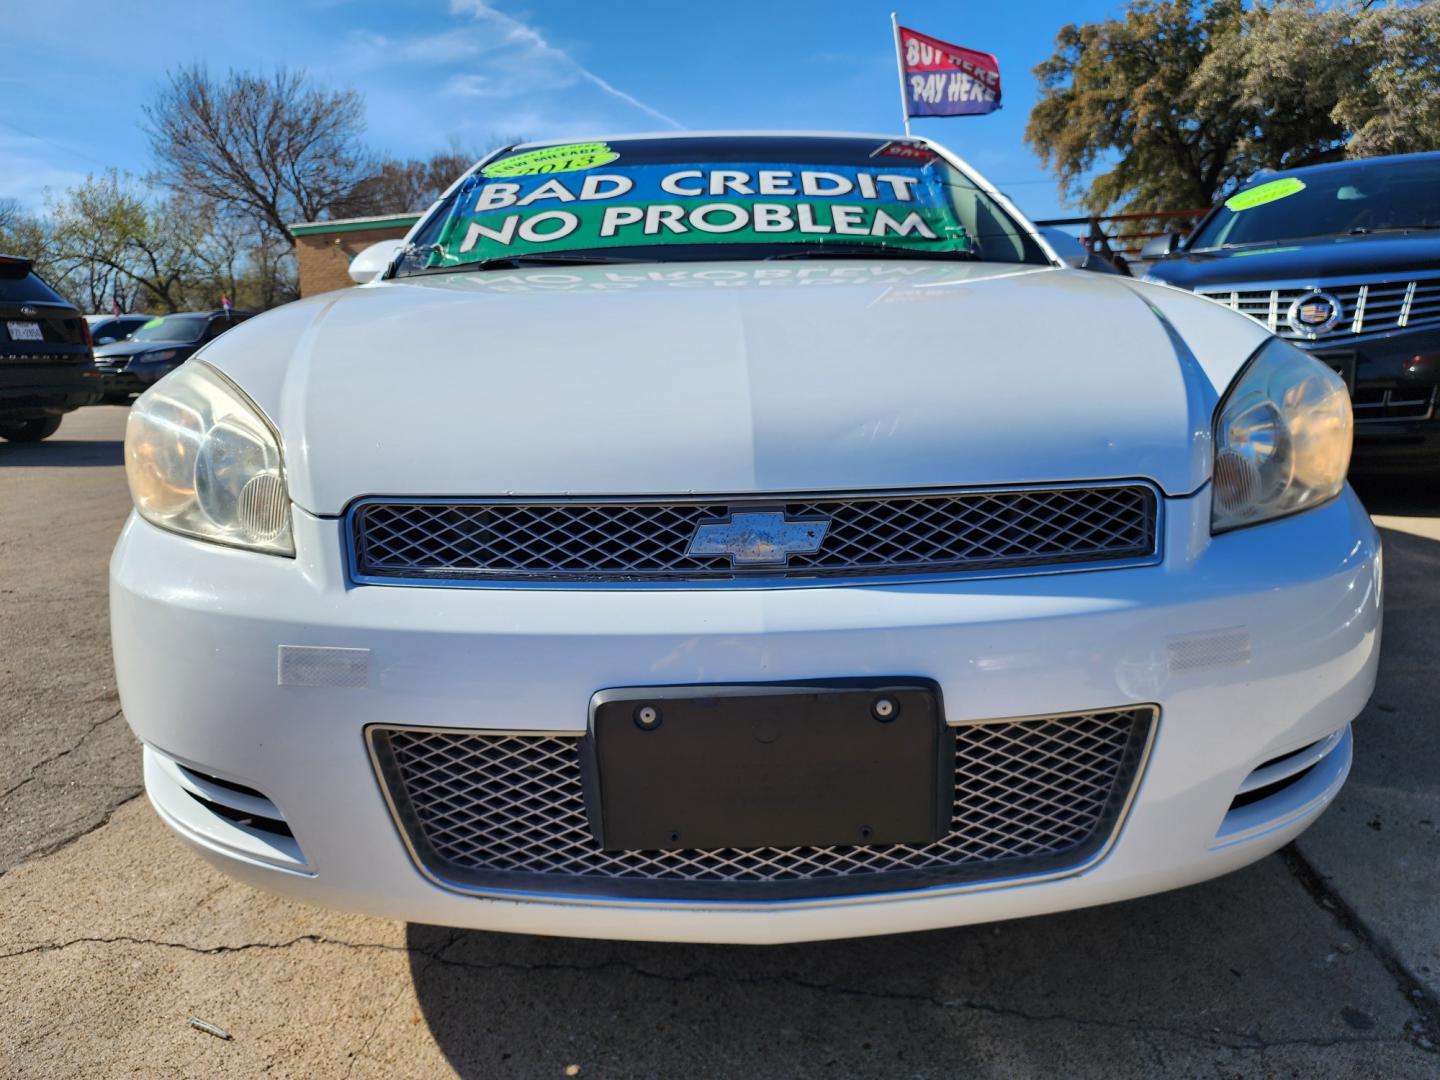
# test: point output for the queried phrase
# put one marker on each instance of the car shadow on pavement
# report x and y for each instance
(1210, 976)
(62, 453)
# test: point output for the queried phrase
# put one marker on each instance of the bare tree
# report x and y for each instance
(277, 148)
(400, 187)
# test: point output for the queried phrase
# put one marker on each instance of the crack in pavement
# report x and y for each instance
(129, 796)
(1215, 1037)
(431, 959)
(1419, 997)
(35, 769)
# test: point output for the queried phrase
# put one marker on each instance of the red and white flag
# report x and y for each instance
(941, 79)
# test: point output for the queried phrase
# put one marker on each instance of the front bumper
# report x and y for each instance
(198, 628)
(131, 379)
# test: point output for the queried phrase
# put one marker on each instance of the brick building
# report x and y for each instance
(324, 248)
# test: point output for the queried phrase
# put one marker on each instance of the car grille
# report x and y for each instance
(637, 540)
(1368, 307)
(1398, 403)
(490, 811)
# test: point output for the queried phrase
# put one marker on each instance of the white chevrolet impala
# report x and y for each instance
(740, 538)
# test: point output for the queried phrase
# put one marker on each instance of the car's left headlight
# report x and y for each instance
(156, 357)
(1282, 438)
(202, 460)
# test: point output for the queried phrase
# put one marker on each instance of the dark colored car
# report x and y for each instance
(46, 360)
(158, 347)
(108, 329)
(1342, 259)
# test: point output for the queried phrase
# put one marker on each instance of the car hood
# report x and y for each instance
(1303, 260)
(738, 378)
(130, 348)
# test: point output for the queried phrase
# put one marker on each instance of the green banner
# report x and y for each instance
(576, 227)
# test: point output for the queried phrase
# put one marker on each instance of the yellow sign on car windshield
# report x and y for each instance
(1264, 193)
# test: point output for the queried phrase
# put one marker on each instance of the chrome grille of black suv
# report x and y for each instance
(899, 534)
(484, 811)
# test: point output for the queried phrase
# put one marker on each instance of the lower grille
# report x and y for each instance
(485, 811)
(636, 540)
(1395, 403)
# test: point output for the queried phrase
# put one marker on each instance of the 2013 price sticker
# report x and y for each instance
(574, 157)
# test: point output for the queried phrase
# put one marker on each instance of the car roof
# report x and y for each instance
(1432, 156)
(206, 314)
(738, 134)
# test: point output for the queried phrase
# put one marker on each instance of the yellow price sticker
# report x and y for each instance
(572, 158)
(1265, 193)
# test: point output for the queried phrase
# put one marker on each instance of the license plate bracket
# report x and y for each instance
(813, 764)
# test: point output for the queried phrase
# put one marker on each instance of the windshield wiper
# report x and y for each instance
(872, 251)
(1362, 230)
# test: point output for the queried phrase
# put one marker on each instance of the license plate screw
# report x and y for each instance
(884, 709)
(647, 717)
(866, 832)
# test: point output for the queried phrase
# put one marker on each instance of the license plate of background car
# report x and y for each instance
(769, 765)
(25, 331)
(1343, 364)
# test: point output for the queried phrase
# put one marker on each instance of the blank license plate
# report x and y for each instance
(769, 765)
(24, 331)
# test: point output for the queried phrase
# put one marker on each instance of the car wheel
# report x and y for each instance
(30, 430)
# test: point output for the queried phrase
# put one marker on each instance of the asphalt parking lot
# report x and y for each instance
(1323, 960)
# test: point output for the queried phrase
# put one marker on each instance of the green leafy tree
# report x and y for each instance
(137, 238)
(1175, 102)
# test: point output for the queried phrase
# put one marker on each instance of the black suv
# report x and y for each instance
(158, 347)
(1344, 260)
(46, 361)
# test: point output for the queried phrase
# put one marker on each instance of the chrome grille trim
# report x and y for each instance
(1372, 305)
(502, 814)
(644, 540)
(1395, 404)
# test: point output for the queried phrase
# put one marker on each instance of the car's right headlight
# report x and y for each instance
(202, 460)
(1282, 438)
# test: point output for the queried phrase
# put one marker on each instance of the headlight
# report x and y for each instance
(156, 357)
(1282, 438)
(202, 461)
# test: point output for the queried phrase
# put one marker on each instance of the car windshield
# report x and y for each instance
(715, 198)
(1358, 198)
(172, 328)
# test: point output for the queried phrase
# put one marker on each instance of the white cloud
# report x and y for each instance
(537, 51)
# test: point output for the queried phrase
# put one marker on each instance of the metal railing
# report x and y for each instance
(1107, 236)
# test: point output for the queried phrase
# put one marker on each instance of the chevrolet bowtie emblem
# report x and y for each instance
(758, 538)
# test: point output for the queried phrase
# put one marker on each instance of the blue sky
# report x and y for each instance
(75, 73)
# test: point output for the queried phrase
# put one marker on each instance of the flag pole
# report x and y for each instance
(900, 73)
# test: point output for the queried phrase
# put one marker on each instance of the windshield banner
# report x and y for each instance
(502, 214)
(947, 80)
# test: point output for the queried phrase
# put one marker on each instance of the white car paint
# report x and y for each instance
(743, 378)
(809, 374)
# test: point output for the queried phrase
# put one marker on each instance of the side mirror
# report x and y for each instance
(1157, 247)
(1071, 251)
(374, 260)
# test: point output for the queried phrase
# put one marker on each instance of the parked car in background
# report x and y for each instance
(768, 538)
(157, 347)
(46, 360)
(108, 329)
(1344, 260)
